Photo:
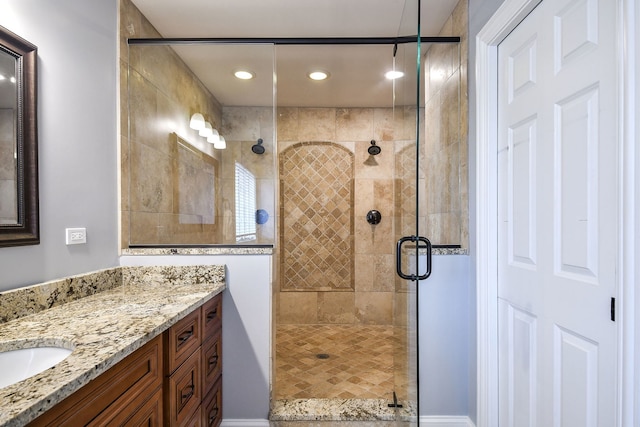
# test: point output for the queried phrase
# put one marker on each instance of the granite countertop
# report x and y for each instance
(102, 329)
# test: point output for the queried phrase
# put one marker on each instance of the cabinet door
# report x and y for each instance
(212, 316)
(211, 361)
(184, 391)
(183, 339)
(143, 411)
(119, 386)
(212, 406)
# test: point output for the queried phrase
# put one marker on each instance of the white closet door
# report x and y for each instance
(557, 203)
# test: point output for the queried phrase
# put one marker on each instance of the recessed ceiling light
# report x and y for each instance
(392, 75)
(244, 74)
(318, 75)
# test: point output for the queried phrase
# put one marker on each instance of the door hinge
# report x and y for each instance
(613, 309)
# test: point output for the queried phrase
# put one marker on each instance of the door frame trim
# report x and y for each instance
(506, 18)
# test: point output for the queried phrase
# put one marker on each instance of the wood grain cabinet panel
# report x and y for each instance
(183, 339)
(212, 406)
(211, 361)
(212, 316)
(145, 411)
(184, 391)
(127, 385)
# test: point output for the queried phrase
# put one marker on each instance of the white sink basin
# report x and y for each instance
(18, 365)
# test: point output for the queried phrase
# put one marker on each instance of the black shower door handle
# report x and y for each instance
(427, 246)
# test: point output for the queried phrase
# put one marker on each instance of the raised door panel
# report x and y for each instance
(557, 206)
(212, 406)
(212, 316)
(211, 361)
(120, 386)
(183, 339)
(145, 410)
(183, 391)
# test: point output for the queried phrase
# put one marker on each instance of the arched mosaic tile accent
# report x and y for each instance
(316, 220)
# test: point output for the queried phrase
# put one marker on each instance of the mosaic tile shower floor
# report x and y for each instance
(353, 384)
(359, 363)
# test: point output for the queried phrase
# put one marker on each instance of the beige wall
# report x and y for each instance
(446, 149)
(158, 95)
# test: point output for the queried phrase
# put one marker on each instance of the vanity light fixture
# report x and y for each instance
(12, 79)
(318, 75)
(197, 122)
(393, 74)
(2, 77)
(221, 144)
(206, 131)
(244, 75)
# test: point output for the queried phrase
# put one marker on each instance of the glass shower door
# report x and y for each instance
(406, 108)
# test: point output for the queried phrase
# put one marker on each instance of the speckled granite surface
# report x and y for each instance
(102, 328)
(24, 301)
(211, 250)
(338, 410)
(449, 251)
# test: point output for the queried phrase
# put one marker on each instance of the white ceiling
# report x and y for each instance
(356, 70)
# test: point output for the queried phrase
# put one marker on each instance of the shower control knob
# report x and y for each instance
(373, 217)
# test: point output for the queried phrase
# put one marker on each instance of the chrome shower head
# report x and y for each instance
(258, 148)
(374, 150)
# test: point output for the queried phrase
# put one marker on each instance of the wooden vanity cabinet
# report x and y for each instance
(173, 380)
(193, 367)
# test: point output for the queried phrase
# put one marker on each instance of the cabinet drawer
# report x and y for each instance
(211, 361)
(120, 386)
(143, 411)
(212, 406)
(183, 338)
(184, 391)
(196, 419)
(212, 316)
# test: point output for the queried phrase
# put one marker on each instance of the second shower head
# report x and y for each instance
(258, 148)
(374, 150)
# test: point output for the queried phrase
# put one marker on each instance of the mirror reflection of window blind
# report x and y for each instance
(245, 204)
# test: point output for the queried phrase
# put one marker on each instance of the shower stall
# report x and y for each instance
(335, 181)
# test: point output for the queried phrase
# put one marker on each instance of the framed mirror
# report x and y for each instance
(19, 223)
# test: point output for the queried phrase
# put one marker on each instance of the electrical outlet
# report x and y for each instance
(76, 236)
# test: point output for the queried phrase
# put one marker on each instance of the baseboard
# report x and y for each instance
(245, 423)
(439, 421)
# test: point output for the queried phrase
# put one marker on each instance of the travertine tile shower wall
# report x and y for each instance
(446, 139)
(334, 266)
(161, 93)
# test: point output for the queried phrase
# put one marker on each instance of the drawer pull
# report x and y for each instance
(213, 414)
(212, 314)
(213, 361)
(186, 396)
(184, 337)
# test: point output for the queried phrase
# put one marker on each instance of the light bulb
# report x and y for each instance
(318, 75)
(221, 144)
(214, 137)
(392, 75)
(206, 131)
(197, 121)
(243, 75)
